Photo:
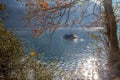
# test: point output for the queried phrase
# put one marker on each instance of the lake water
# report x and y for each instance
(78, 57)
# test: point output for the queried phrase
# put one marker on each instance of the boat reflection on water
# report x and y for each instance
(75, 40)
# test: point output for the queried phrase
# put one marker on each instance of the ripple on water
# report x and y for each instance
(82, 67)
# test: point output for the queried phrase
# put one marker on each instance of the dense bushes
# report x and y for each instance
(15, 65)
(10, 51)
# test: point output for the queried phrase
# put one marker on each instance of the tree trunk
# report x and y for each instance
(111, 26)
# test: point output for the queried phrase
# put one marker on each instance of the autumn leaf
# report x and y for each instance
(43, 4)
(32, 53)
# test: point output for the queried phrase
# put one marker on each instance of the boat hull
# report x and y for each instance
(70, 36)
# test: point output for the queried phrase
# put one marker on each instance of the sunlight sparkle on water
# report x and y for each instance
(89, 69)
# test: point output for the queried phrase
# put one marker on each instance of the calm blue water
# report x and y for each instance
(55, 46)
(78, 55)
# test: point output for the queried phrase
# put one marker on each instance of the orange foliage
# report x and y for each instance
(43, 4)
(32, 53)
(37, 32)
